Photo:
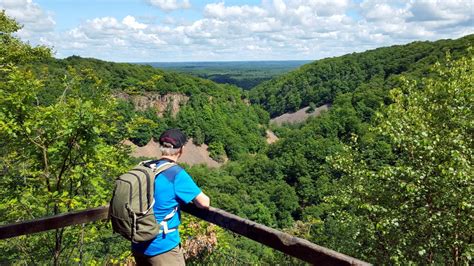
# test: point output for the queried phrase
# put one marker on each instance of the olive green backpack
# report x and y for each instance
(131, 206)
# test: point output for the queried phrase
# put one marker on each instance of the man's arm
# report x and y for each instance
(202, 201)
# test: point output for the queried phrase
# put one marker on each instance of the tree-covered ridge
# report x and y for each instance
(394, 187)
(134, 78)
(320, 81)
(338, 205)
(215, 114)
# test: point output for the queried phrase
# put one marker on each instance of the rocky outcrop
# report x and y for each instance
(161, 103)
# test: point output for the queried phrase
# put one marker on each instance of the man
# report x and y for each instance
(172, 187)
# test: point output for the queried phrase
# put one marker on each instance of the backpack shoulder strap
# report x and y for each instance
(169, 169)
(172, 172)
(163, 167)
(150, 174)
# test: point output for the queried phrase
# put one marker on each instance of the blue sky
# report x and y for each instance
(231, 30)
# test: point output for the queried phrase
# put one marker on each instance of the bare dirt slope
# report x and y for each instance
(298, 116)
(192, 155)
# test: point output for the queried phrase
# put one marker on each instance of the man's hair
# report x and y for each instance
(174, 137)
(168, 150)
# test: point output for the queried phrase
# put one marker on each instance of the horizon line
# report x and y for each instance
(197, 61)
(219, 61)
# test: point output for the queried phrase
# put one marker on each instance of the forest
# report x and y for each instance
(384, 176)
(243, 74)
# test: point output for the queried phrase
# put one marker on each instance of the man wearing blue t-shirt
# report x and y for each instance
(172, 187)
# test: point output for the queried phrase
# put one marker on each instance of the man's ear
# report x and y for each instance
(180, 151)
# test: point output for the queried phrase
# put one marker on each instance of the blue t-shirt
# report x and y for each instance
(172, 187)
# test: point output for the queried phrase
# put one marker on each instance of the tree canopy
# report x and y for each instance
(55, 157)
(416, 207)
(321, 81)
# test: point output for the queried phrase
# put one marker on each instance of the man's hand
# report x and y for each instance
(202, 201)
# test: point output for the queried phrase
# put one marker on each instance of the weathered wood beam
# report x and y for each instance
(53, 222)
(273, 238)
(288, 244)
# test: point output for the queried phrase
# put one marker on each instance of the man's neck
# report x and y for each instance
(170, 158)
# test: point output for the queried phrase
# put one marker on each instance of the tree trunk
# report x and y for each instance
(57, 246)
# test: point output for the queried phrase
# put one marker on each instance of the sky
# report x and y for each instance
(231, 30)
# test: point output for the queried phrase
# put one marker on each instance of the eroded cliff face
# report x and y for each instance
(161, 103)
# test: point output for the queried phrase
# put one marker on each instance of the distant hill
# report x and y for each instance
(153, 99)
(321, 81)
(244, 74)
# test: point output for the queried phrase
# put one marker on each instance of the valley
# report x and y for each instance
(369, 153)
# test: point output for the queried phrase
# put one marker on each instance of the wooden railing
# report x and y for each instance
(278, 240)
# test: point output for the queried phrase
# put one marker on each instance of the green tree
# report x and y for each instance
(311, 108)
(140, 130)
(416, 207)
(216, 151)
(54, 158)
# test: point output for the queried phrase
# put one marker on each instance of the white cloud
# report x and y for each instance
(267, 25)
(436, 10)
(326, 8)
(107, 36)
(421, 19)
(30, 15)
(102, 27)
(148, 39)
(383, 12)
(274, 29)
(169, 5)
(257, 48)
(132, 23)
(219, 10)
(119, 42)
(279, 6)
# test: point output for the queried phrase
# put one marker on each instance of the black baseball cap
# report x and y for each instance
(174, 137)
